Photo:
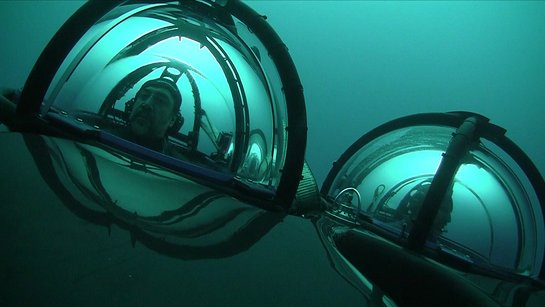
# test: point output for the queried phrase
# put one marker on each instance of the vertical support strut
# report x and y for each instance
(458, 147)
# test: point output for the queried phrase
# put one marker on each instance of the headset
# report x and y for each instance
(412, 202)
(172, 71)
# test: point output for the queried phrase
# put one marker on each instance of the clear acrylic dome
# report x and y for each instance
(241, 99)
(488, 211)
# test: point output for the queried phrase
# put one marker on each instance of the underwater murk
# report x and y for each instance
(323, 153)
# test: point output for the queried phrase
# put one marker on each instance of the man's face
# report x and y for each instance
(153, 113)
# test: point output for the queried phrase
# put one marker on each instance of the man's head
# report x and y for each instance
(416, 200)
(155, 109)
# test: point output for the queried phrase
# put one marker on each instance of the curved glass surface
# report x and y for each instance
(497, 215)
(232, 113)
(490, 216)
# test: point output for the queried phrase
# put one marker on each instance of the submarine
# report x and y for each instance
(424, 210)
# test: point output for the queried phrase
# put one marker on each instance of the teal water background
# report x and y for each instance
(365, 63)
